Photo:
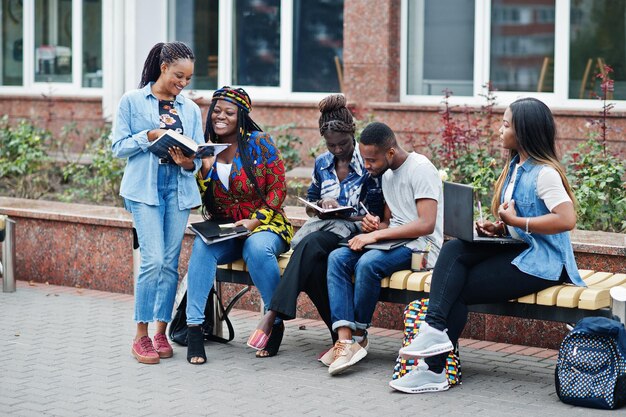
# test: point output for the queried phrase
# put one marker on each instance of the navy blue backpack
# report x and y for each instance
(591, 365)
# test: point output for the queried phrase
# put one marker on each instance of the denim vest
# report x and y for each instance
(547, 254)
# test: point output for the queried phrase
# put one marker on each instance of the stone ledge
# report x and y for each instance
(583, 241)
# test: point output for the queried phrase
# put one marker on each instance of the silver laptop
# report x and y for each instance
(458, 214)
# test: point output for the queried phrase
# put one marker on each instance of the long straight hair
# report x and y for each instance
(535, 132)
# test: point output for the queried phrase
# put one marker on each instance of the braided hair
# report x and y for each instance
(163, 53)
(335, 115)
(245, 126)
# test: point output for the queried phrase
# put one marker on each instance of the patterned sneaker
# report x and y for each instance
(328, 357)
(162, 346)
(144, 351)
(421, 380)
(428, 342)
(346, 354)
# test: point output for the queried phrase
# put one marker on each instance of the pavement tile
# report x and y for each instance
(84, 368)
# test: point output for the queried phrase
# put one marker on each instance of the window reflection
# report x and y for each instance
(440, 47)
(597, 35)
(317, 43)
(12, 42)
(256, 54)
(522, 45)
(53, 40)
(92, 43)
(197, 26)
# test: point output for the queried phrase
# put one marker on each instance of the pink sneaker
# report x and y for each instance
(162, 346)
(144, 352)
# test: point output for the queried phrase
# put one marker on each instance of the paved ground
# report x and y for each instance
(66, 352)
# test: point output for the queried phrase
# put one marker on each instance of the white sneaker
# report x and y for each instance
(421, 380)
(428, 342)
(328, 357)
(346, 355)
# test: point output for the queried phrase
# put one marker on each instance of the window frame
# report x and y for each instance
(283, 92)
(29, 86)
(482, 41)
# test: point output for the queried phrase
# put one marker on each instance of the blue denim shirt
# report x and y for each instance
(358, 186)
(138, 113)
(547, 254)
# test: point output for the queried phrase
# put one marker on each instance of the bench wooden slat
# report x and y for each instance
(416, 280)
(384, 283)
(427, 283)
(239, 265)
(598, 296)
(398, 280)
(569, 297)
(548, 296)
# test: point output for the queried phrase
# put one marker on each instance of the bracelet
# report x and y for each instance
(527, 231)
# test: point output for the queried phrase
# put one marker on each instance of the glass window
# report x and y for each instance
(597, 36)
(92, 43)
(440, 47)
(522, 45)
(53, 41)
(12, 43)
(256, 45)
(317, 45)
(197, 25)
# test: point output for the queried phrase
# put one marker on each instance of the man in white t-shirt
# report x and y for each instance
(413, 211)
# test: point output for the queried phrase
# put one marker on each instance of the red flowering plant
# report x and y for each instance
(596, 174)
(464, 145)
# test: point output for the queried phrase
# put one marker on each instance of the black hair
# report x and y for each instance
(335, 115)
(535, 132)
(245, 126)
(163, 53)
(378, 134)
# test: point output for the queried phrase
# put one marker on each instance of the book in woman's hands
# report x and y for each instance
(213, 232)
(188, 146)
(340, 209)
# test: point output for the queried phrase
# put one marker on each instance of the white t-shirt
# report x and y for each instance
(550, 189)
(223, 172)
(415, 179)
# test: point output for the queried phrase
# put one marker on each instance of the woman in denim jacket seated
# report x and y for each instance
(339, 179)
(534, 204)
(158, 192)
(244, 184)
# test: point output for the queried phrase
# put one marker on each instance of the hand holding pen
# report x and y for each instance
(370, 223)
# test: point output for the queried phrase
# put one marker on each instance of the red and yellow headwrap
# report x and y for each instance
(237, 96)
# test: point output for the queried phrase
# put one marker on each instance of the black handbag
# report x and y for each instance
(178, 327)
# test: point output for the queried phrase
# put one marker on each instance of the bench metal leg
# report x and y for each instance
(8, 256)
(618, 303)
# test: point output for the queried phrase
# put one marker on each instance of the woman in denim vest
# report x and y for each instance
(534, 204)
(159, 192)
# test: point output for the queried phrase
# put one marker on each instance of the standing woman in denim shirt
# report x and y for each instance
(534, 204)
(244, 184)
(158, 192)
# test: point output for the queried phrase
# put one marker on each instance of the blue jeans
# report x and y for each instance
(260, 251)
(160, 230)
(352, 305)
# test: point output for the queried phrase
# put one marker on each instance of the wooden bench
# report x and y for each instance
(561, 303)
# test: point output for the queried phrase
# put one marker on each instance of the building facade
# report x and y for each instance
(68, 61)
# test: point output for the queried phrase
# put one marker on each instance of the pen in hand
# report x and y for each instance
(365, 208)
(480, 213)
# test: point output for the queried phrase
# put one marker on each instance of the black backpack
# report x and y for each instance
(178, 326)
(591, 366)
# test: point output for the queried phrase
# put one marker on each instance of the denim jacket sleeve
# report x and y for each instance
(125, 143)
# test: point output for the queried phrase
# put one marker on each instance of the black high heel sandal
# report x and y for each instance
(195, 345)
(274, 341)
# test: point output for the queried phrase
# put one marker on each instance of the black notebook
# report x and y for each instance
(382, 245)
(213, 232)
(188, 146)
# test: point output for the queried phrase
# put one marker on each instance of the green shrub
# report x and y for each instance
(288, 144)
(23, 158)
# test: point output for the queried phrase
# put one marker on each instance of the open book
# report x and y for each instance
(187, 145)
(340, 209)
(213, 232)
(382, 245)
